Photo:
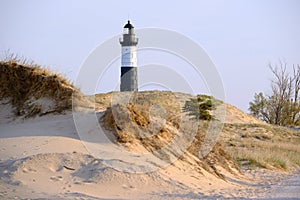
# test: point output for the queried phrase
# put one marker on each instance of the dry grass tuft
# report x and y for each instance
(33, 90)
(261, 145)
(133, 120)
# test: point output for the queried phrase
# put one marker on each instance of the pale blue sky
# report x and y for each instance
(241, 37)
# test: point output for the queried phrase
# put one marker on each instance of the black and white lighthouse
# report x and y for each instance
(129, 81)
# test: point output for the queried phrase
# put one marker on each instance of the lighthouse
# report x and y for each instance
(129, 59)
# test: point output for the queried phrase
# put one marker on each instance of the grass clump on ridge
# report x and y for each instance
(32, 89)
(201, 106)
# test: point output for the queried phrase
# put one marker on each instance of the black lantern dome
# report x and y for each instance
(128, 25)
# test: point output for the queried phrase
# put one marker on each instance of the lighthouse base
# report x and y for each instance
(129, 79)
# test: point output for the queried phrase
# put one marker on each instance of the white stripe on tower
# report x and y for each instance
(129, 56)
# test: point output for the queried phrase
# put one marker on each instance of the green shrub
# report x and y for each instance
(200, 107)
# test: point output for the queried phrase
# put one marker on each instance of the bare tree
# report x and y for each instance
(282, 107)
(281, 93)
(295, 115)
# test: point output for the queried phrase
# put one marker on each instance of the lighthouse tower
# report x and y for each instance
(129, 59)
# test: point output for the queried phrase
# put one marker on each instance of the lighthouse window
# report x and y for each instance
(126, 31)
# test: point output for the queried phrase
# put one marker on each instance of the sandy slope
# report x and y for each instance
(44, 158)
(237, 116)
(48, 134)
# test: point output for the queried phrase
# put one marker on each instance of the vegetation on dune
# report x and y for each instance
(153, 119)
(132, 120)
(259, 145)
(201, 106)
(272, 146)
(32, 89)
(250, 145)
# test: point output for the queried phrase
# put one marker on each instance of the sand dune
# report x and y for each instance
(43, 154)
(43, 157)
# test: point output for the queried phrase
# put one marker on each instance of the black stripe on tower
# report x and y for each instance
(129, 79)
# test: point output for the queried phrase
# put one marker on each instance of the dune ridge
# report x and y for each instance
(33, 90)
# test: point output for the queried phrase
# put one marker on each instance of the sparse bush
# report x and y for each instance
(201, 106)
